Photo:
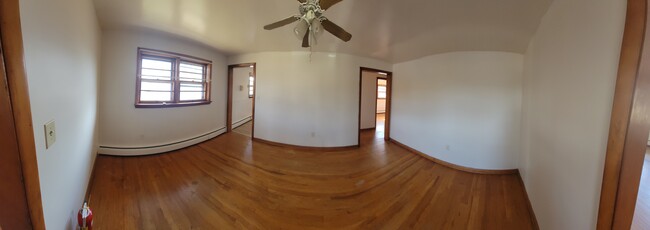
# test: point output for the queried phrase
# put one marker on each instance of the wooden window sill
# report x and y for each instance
(171, 105)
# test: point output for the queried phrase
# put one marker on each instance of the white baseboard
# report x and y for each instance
(241, 122)
(149, 150)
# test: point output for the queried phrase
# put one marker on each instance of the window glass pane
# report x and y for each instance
(190, 96)
(158, 86)
(191, 77)
(156, 64)
(152, 73)
(191, 87)
(191, 68)
(381, 92)
(155, 96)
(251, 82)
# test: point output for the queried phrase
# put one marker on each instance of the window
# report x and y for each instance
(381, 89)
(251, 85)
(168, 79)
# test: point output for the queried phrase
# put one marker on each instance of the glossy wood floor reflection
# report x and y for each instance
(232, 183)
(246, 129)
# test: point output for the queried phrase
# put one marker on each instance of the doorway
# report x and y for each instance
(241, 99)
(374, 104)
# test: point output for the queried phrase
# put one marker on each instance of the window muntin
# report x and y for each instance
(169, 79)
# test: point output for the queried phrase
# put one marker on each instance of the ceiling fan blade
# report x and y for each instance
(281, 23)
(302, 1)
(305, 41)
(336, 30)
(326, 4)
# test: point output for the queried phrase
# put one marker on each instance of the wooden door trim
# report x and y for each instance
(230, 91)
(387, 114)
(12, 42)
(621, 174)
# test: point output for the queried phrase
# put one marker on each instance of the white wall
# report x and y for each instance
(123, 125)
(571, 68)
(61, 39)
(242, 105)
(308, 103)
(368, 99)
(469, 101)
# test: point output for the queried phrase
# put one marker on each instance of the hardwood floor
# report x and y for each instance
(380, 125)
(231, 182)
(641, 218)
(246, 129)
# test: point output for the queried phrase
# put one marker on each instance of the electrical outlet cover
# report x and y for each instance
(50, 134)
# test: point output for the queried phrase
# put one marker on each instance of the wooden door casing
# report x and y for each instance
(14, 213)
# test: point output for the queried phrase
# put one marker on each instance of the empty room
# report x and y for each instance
(323, 114)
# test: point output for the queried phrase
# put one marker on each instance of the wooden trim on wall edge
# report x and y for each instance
(12, 42)
(455, 166)
(300, 147)
(629, 63)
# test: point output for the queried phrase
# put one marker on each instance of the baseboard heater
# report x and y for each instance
(162, 148)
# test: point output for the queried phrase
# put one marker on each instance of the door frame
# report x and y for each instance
(230, 91)
(12, 43)
(629, 125)
(389, 95)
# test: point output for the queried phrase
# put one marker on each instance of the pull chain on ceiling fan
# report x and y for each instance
(312, 22)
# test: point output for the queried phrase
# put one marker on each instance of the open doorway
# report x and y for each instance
(374, 104)
(241, 99)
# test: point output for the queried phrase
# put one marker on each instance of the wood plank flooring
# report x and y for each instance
(231, 182)
(246, 129)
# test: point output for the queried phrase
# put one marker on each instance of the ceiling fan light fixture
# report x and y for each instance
(301, 29)
(312, 22)
(316, 31)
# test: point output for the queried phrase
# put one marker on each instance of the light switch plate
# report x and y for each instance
(50, 134)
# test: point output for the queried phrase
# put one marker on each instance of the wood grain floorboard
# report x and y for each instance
(231, 182)
(246, 129)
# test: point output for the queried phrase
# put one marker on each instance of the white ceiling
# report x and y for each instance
(390, 30)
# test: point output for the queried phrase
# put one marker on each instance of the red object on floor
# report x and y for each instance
(85, 218)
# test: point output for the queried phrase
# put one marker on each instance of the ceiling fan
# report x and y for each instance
(312, 22)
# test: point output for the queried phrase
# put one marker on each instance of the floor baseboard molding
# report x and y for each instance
(150, 150)
(241, 122)
(300, 147)
(455, 166)
(533, 218)
(89, 185)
